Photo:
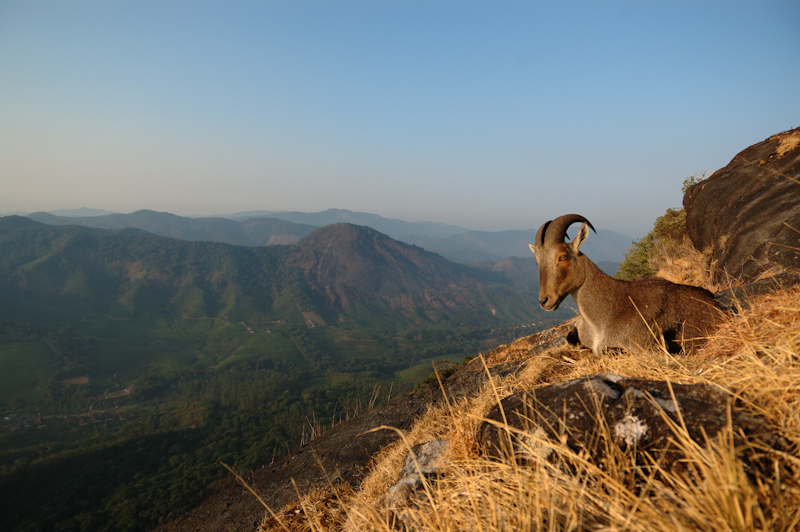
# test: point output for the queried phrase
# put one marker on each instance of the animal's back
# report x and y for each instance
(683, 314)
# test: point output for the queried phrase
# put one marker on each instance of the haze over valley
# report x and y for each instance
(113, 332)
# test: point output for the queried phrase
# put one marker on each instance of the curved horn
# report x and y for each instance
(540, 234)
(556, 230)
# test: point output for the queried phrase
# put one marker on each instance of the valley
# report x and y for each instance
(137, 363)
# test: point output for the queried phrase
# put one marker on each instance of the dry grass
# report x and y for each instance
(755, 354)
(680, 262)
(788, 143)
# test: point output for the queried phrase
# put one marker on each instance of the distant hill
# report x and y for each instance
(456, 243)
(330, 270)
(83, 211)
(249, 232)
(348, 263)
(477, 246)
(397, 229)
(255, 229)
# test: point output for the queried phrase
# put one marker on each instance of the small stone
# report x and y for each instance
(631, 429)
(430, 458)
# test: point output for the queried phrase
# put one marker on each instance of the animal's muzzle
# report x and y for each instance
(549, 303)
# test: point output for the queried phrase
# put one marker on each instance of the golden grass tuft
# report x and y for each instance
(680, 262)
(755, 354)
(788, 143)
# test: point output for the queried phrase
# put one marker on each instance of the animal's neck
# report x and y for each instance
(596, 285)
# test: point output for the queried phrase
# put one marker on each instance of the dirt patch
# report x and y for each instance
(313, 319)
(75, 381)
(788, 142)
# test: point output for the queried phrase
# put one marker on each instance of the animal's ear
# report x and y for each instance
(583, 232)
(533, 249)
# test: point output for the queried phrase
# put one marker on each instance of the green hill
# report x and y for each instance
(111, 340)
(130, 274)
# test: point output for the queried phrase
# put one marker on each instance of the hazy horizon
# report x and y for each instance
(484, 115)
(90, 212)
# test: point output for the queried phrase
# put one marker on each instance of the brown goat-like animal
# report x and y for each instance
(613, 313)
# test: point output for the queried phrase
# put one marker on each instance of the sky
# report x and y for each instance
(490, 115)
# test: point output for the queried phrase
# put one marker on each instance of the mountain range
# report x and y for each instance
(261, 228)
(210, 351)
(128, 272)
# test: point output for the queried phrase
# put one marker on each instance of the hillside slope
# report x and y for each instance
(753, 358)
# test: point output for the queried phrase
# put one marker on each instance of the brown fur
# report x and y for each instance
(632, 315)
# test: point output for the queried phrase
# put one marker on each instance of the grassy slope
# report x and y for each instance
(755, 354)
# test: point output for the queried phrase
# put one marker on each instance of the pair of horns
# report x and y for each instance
(555, 231)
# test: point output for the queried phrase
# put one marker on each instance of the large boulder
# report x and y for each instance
(598, 411)
(748, 213)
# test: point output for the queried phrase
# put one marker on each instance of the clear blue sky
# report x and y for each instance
(490, 115)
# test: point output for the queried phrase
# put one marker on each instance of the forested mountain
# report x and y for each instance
(136, 362)
(261, 228)
(348, 263)
(127, 273)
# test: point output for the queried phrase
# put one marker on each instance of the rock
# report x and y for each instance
(743, 296)
(422, 462)
(635, 412)
(748, 213)
(424, 459)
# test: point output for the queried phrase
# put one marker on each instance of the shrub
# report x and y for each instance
(667, 250)
(669, 231)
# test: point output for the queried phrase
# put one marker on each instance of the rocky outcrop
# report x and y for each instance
(422, 464)
(748, 213)
(634, 414)
(421, 467)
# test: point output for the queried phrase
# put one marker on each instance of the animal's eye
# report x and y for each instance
(562, 258)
